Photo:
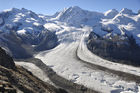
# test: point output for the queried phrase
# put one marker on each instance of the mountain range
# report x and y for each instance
(74, 46)
(26, 30)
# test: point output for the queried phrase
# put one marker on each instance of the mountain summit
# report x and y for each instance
(111, 13)
(78, 16)
(126, 11)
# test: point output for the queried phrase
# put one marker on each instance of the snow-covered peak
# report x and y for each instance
(126, 11)
(25, 10)
(15, 11)
(139, 12)
(11, 10)
(76, 16)
(75, 8)
(21, 20)
(72, 9)
(66, 12)
(111, 13)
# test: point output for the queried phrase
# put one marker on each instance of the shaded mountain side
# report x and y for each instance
(6, 60)
(16, 79)
(118, 50)
(14, 44)
(49, 41)
(20, 48)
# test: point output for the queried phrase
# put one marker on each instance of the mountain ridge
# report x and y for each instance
(29, 27)
(70, 32)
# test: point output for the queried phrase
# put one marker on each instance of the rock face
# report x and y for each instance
(111, 13)
(115, 49)
(16, 79)
(6, 87)
(22, 81)
(138, 11)
(49, 41)
(126, 11)
(15, 45)
(6, 60)
(21, 46)
(1, 21)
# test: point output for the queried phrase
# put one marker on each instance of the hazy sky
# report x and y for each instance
(51, 6)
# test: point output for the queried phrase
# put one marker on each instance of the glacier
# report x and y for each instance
(71, 59)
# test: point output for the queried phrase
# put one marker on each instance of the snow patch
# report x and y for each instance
(52, 26)
(21, 32)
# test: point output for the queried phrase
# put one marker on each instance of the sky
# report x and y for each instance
(49, 7)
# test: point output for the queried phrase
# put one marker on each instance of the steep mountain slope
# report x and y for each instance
(16, 79)
(21, 29)
(116, 49)
(6, 60)
(111, 13)
(117, 39)
(125, 22)
(76, 16)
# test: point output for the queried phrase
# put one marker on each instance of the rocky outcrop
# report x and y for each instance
(1, 21)
(119, 50)
(21, 46)
(138, 11)
(6, 87)
(21, 80)
(16, 79)
(15, 45)
(6, 60)
(48, 41)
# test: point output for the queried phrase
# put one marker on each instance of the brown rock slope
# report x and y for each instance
(16, 79)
